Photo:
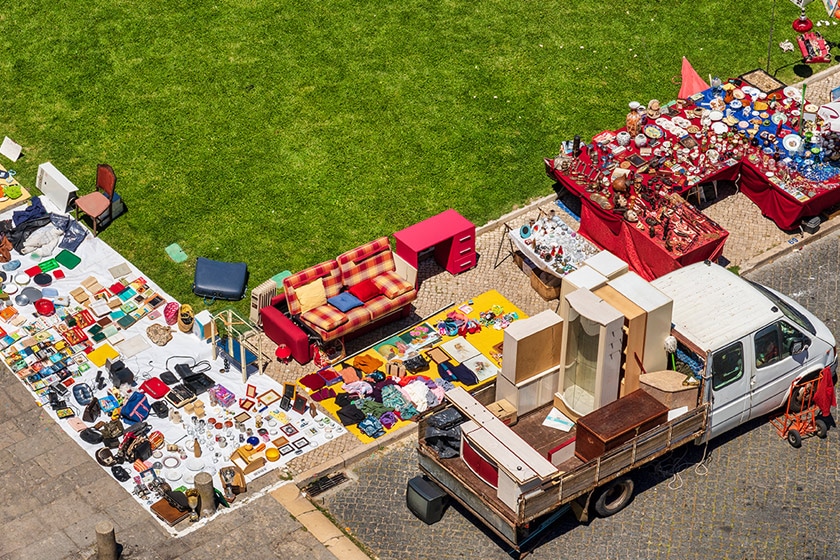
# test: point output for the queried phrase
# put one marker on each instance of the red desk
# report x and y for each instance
(452, 236)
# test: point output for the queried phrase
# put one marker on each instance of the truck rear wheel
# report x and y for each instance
(799, 394)
(614, 497)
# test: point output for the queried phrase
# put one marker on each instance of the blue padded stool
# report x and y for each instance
(220, 280)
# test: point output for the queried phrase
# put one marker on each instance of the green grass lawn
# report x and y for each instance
(282, 134)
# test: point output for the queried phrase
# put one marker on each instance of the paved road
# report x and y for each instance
(753, 497)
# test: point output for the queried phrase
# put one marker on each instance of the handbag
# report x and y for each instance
(89, 435)
(136, 407)
(395, 369)
(92, 411)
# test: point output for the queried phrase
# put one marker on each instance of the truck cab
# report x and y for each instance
(756, 343)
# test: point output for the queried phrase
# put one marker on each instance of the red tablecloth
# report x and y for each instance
(647, 257)
(781, 207)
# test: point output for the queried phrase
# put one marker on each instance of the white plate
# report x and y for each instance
(793, 92)
(778, 118)
(10, 288)
(720, 128)
(22, 279)
(715, 115)
(735, 104)
(792, 142)
(172, 475)
(195, 464)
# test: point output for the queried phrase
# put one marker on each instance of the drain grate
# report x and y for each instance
(324, 483)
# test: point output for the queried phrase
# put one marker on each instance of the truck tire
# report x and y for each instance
(799, 394)
(614, 497)
(794, 439)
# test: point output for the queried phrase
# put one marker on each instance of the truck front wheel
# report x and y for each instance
(800, 394)
(614, 497)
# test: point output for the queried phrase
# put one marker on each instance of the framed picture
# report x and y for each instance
(300, 404)
(242, 417)
(269, 397)
(250, 391)
(289, 391)
(288, 429)
(246, 404)
(286, 449)
(279, 442)
(300, 443)
(285, 403)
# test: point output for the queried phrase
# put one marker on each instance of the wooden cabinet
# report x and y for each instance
(616, 423)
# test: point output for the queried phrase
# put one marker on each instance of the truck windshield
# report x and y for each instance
(790, 312)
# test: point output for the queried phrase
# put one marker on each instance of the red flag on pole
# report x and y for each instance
(691, 81)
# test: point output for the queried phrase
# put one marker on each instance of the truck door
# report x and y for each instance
(775, 366)
(730, 388)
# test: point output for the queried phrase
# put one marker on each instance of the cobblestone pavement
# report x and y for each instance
(753, 497)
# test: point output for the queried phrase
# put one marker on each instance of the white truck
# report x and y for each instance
(755, 344)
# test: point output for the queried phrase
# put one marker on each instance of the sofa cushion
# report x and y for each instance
(325, 317)
(327, 271)
(345, 301)
(365, 290)
(391, 285)
(311, 295)
(365, 262)
(382, 305)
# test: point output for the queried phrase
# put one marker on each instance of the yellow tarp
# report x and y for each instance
(414, 337)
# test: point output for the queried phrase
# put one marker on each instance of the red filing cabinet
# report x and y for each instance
(452, 236)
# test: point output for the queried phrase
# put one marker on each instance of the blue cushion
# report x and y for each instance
(345, 301)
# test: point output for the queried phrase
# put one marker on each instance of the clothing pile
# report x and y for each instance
(34, 229)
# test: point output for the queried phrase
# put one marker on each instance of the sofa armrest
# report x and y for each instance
(282, 330)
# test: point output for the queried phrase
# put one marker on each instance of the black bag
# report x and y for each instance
(90, 435)
(160, 409)
(416, 364)
(92, 411)
(120, 473)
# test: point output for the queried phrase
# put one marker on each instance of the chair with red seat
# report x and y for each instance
(99, 204)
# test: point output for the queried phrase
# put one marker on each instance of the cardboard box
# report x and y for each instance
(545, 284)
(504, 411)
(203, 325)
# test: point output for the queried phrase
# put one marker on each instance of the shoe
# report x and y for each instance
(186, 318)
(11, 265)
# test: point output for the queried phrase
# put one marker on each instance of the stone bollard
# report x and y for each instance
(204, 485)
(106, 541)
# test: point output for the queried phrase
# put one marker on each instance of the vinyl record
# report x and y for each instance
(42, 279)
(525, 232)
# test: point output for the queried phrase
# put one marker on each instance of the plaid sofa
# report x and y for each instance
(373, 262)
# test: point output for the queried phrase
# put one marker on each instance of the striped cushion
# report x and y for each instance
(391, 285)
(325, 317)
(328, 271)
(381, 305)
(366, 262)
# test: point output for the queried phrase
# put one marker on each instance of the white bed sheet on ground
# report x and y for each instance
(97, 258)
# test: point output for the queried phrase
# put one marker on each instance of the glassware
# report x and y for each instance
(192, 503)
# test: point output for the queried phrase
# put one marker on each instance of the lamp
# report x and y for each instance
(802, 23)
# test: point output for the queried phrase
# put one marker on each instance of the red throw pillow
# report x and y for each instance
(365, 290)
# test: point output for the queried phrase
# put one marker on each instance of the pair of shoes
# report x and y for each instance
(186, 318)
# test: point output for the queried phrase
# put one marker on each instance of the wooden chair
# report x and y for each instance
(99, 204)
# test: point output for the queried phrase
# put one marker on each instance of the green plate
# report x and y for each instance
(67, 259)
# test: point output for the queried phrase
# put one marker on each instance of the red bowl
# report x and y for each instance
(44, 307)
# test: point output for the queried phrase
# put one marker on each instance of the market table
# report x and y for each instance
(736, 132)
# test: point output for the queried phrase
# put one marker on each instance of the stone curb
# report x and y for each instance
(826, 228)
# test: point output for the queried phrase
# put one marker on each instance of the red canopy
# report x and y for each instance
(691, 81)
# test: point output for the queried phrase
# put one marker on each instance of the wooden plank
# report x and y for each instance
(506, 460)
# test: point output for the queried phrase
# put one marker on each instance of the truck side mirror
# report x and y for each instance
(798, 345)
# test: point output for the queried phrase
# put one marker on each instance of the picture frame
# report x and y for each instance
(269, 397)
(246, 404)
(299, 405)
(289, 391)
(242, 417)
(286, 449)
(280, 442)
(300, 443)
(285, 404)
(288, 429)
(250, 391)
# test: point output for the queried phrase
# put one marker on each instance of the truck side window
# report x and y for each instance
(727, 365)
(767, 346)
(789, 335)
